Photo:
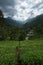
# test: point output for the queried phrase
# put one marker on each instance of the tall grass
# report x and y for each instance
(31, 52)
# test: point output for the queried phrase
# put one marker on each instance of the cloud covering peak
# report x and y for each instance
(21, 9)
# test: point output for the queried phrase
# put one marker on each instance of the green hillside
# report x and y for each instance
(8, 30)
(36, 24)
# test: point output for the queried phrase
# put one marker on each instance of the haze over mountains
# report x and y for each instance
(17, 29)
(34, 21)
(29, 23)
(14, 22)
(20, 23)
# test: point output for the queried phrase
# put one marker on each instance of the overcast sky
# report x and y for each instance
(21, 9)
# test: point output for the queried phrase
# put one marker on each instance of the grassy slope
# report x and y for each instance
(27, 49)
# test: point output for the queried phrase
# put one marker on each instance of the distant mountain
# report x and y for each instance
(35, 22)
(14, 22)
(10, 29)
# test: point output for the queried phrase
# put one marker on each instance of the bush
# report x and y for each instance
(32, 61)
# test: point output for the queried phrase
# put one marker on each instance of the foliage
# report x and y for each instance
(36, 24)
(9, 31)
(31, 52)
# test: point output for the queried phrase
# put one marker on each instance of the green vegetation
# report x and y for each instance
(36, 24)
(31, 52)
(9, 30)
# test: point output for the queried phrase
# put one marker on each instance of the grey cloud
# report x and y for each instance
(36, 6)
(23, 7)
(7, 6)
(4, 4)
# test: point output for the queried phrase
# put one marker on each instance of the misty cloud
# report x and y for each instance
(28, 9)
(21, 9)
(7, 6)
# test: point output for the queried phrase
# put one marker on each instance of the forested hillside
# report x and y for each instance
(10, 29)
(36, 24)
(6, 29)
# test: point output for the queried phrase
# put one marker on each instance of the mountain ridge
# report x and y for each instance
(36, 25)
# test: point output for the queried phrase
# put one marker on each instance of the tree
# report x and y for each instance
(3, 26)
(1, 14)
(22, 35)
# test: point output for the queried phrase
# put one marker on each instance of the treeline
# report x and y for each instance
(14, 32)
(36, 24)
(10, 32)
